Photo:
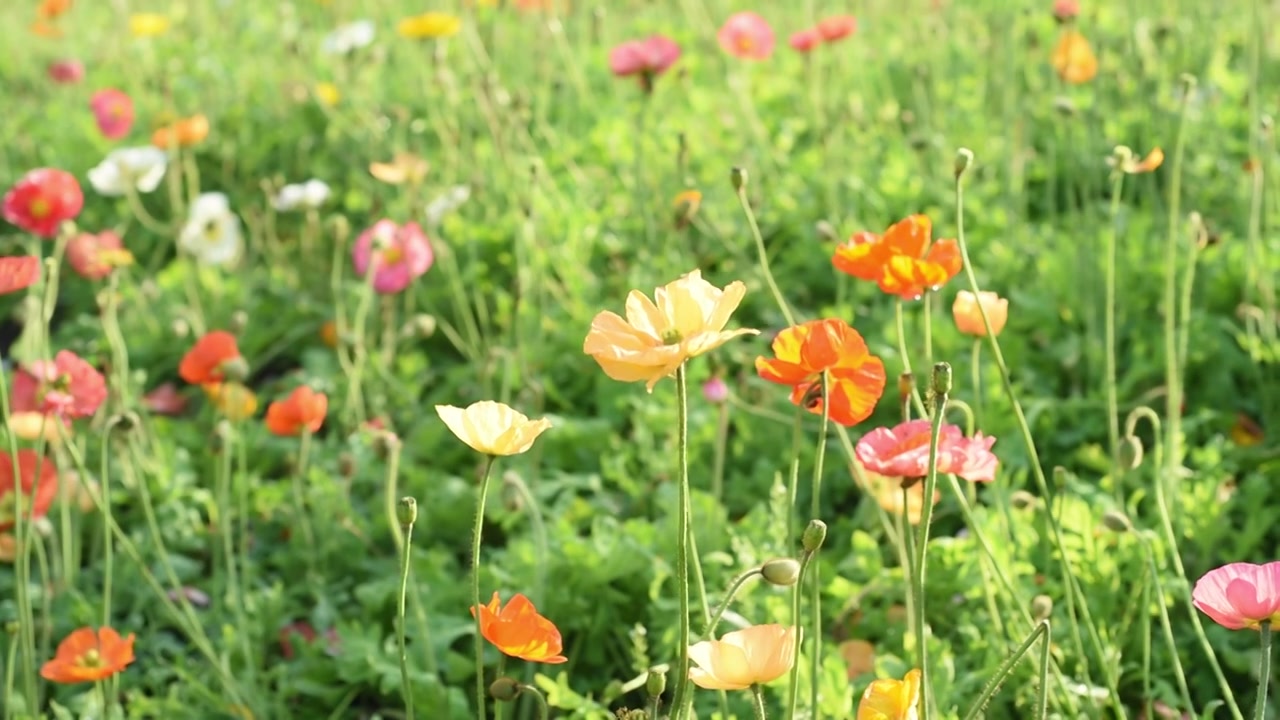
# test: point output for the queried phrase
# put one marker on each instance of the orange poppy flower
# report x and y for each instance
(303, 409)
(1073, 58)
(210, 358)
(519, 631)
(686, 206)
(890, 699)
(50, 9)
(903, 261)
(183, 133)
(88, 655)
(38, 493)
(855, 377)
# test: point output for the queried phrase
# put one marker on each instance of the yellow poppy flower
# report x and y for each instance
(891, 699)
(492, 428)
(429, 25)
(755, 655)
(147, 24)
(1073, 58)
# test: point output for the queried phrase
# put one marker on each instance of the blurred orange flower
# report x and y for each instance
(1073, 58)
(685, 319)
(903, 261)
(208, 360)
(1245, 432)
(891, 699)
(233, 400)
(304, 409)
(859, 657)
(183, 133)
(802, 353)
(44, 28)
(89, 655)
(1133, 166)
(519, 631)
(686, 206)
(967, 311)
(50, 9)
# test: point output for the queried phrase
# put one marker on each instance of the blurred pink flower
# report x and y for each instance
(1066, 10)
(1240, 595)
(114, 112)
(93, 257)
(715, 390)
(398, 253)
(66, 72)
(806, 40)
(747, 35)
(903, 451)
(165, 400)
(646, 58)
(66, 386)
(837, 28)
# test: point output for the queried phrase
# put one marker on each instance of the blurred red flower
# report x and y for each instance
(42, 200)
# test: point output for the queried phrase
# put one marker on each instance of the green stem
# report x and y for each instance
(1006, 668)
(721, 448)
(21, 532)
(734, 587)
(300, 502)
(815, 510)
(757, 702)
(11, 665)
(975, 363)
(406, 687)
(476, 531)
(918, 569)
(684, 522)
(764, 255)
(1179, 675)
(1264, 672)
(234, 592)
(793, 692)
(544, 711)
(927, 300)
(1109, 338)
(1173, 377)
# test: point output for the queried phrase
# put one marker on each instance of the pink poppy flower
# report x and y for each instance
(66, 72)
(837, 28)
(1241, 595)
(66, 386)
(1066, 10)
(646, 58)
(806, 40)
(903, 451)
(114, 112)
(165, 400)
(748, 36)
(18, 272)
(93, 257)
(398, 253)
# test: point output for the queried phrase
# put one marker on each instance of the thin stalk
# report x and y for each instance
(975, 367)
(764, 255)
(721, 450)
(1179, 675)
(1264, 673)
(1109, 338)
(757, 702)
(815, 510)
(1006, 668)
(684, 523)
(1172, 373)
(300, 501)
(734, 587)
(544, 711)
(918, 569)
(793, 692)
(406, 529)
(476, 531)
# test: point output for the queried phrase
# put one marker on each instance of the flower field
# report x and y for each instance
(639, 360)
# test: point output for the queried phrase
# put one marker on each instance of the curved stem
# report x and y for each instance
(476, 531)
(1264, 672)
(683, 521)
(815, 508)
(406, 687)
(544, 711)
(764, 256)
(1169, 639)
(734, 587)
(757, 702)
(1006, 668)
(793, 692)
(926, 515)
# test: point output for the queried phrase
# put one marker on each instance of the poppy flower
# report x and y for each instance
(18, 272)
(35, 426)
(305, 631)
(805, 40)
(1065, 11)
(210, 358)
(1133, 165)
(903, 451)
(492, 428)
(715, 391)
(52, 9)
(184, 132)
(836, 28)
(232, 399)
(756, 655)
(519, 631)
(66, 386)
(429, 25)
(685, 319)
(66, 72)
(1240, 596)
(44, 28)
(646, 59)
(139, 168)
(1073, 58)
(802, 353)
(859, 657)
(94, 257)
(42, 200)
(143, 25)
(903, 261)
(304, 409)
(165, 400)
(89, 655)
(39, 480)
(395, 254)
(113, 112)
(211, 234)
(746, 35)
(301, 196)
(403, 168)
(968, 314)
(890, 699)
(329, 333)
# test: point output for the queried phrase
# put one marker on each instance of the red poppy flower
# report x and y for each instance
(18, 273)
(805, 40)
(837, 28)
(209, 359)
(304, 409)
(902, 261)
(66, 386)
(113, 111)
(903, 451)
(89, 655)
(646, 58)
(304, 630)
(519, 631)
(42, 200)
(66, 72)
(855, 377)
(38, 489)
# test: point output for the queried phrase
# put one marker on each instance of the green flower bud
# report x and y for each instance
(1041, 607)
(656, 683)
(504, 689)
(813, 536)
(738, 176)
(964, 158)
(1129, 453)
(782, 572)
(1116, 521)
(941, 379)
(1022, 500)
(407, 512)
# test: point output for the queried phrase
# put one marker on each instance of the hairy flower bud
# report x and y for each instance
(1129, 453)
(1041, 607)
(814, 535)
(504, 689)
(407, 512)
(1116, 521)
(782, 572)
(738, 176)
(656, 683)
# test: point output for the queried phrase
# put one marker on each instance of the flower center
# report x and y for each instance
(90, 659)
(745, 43)
(671, 337)
(212, 232)
(39, 208)
(392, 255)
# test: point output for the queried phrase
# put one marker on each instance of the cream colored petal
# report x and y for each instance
(730, 666)
(646, 317)
(689, 302)
(726, 304)
(707, 681)
(702, 343)
(455, 418)
(522, 436)
(700, 654)
(611, 332)
(667, 371)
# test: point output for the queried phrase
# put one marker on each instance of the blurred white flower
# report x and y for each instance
(212, 232)
(301, 196)
(140, 167)
(347, 38)
(451, 200)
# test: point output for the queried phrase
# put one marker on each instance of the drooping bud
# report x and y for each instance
(504, 689)
(964, 158)
(1041, 607)
(813, 536)
(1116, 521)
(738, 176)
(782, 572)
(656, 683)
(1022, 500)
(407, 512)
(1129, 452)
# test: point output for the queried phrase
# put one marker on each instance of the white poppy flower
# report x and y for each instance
(301, 196)
(212, 232)
(347, 38)
(141, 167)
(451, 200)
